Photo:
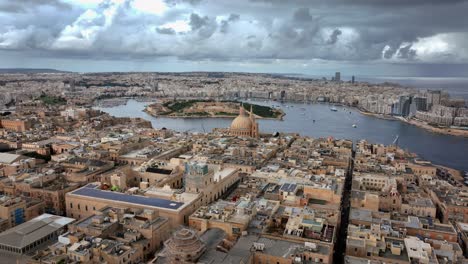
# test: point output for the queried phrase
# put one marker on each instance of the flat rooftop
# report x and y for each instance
(27, 233)
(93, 191)
(221, 174)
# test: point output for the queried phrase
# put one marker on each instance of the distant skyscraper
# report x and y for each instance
(433, 98)
(337, 77)
(396, 108)
(353, 79)
(156, 86)
(405, 104)
(421, 103)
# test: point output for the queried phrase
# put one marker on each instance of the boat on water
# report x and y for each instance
(354, 125)
(333, 109)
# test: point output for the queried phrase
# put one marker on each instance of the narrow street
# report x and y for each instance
(340, 245)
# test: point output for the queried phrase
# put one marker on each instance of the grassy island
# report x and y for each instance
(52, 100)
(209, 108)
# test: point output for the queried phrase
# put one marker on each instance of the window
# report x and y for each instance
(71, 205)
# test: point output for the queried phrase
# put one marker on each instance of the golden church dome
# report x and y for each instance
(244, 125)
(242, 122)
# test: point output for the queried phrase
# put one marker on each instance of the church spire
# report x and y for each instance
(242, 110)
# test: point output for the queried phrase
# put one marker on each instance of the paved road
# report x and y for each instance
(340, 245)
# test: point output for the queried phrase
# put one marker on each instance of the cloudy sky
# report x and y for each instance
(317, 37)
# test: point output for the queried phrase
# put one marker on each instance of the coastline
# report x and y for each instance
(383, 132)
(438, 130)
(457, 174)
(380, 116)
(445, 131)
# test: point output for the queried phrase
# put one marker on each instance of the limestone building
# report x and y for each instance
(244, 125)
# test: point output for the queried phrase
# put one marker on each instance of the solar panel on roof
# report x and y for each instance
(135, 199)
(292, 187)
(287, 187)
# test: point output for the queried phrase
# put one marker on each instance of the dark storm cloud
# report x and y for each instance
(303, 15)
(334, 36)
(335, 30)
(18, 6)
(225, 23)
(175, 2)
(166, 31)
(388, 54)
(203, 25)
(196, 21)
(399, 2)
(362, 2)
(233, 17)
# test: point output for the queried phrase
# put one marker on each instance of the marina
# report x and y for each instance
(319, 121)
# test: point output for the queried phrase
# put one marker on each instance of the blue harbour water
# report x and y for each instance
(440, 149)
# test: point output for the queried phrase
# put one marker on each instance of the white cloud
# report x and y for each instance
(167, 28)
(86, 28)
(14, 38)
(157, 7)
(179, 26)
(434, 47)
(90, 3)
(439, 48)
